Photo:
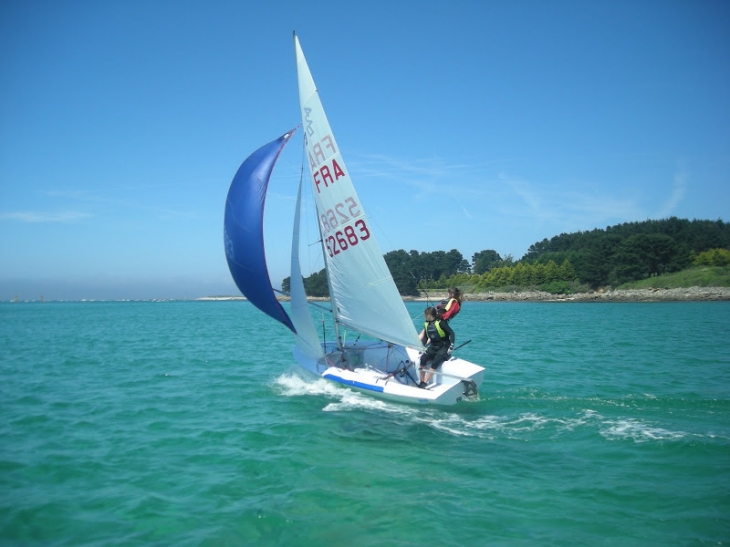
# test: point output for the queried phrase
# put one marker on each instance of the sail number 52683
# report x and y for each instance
(340, 214)
(350, 236)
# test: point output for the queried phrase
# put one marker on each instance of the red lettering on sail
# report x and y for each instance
(347, 238)
(327, 174)
(315, 178)
(337, 169)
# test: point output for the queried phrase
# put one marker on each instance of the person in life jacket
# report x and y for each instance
(440, 339)
(450, 307)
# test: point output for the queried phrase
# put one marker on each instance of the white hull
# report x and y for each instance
(391, 372)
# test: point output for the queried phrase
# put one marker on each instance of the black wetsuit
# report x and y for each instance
(438, 350)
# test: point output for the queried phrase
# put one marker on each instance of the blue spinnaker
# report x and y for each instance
(244, 229)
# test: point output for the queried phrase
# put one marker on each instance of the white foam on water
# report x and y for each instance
(524, 424)
(527, 422)
(630, 428)
(638, 430)
(343, 399)
(290, 384)
(352, 400)
(488, 426)
(483, 427)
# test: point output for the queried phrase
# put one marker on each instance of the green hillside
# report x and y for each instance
(705, 276)
(667, 253)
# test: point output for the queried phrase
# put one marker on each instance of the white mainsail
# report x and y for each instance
(364, 295)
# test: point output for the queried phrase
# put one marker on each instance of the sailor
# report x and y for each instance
(440, 339)
(450, 307)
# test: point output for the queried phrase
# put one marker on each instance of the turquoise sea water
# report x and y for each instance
(187, 423)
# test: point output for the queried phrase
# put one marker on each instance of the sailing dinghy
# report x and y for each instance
(383, 357)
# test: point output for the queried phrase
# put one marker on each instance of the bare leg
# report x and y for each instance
(427, 376)
(421, 365)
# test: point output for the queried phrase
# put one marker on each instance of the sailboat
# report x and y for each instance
(375, 348)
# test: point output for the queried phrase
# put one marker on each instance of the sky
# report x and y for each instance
(468, 125)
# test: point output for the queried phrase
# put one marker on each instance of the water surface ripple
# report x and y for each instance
(188, 423)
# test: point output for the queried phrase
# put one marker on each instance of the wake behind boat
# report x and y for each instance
(364, 297)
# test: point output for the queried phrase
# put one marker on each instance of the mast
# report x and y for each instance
(333, 304)
(336, 323)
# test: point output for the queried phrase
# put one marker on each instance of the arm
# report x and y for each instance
(449, 332)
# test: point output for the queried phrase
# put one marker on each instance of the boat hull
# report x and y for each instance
(391, 372)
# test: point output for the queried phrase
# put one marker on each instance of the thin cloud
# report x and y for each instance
(679, 187)
(464, 210)
(577, 208)
(428, 176)
(35, 217)
(530, 195)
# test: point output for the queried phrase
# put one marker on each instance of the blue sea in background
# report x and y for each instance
(189, 423)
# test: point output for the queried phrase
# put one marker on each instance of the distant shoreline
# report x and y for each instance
(685, 294)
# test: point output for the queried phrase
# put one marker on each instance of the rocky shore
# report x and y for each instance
(686, 294)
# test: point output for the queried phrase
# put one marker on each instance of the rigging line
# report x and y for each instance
(313, 304)
(321, 255)
(309, 199)
(306, 227)
(407, 370)
(301, 182)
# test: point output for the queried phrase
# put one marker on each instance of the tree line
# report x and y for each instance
(601, 257)
(632, 251)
